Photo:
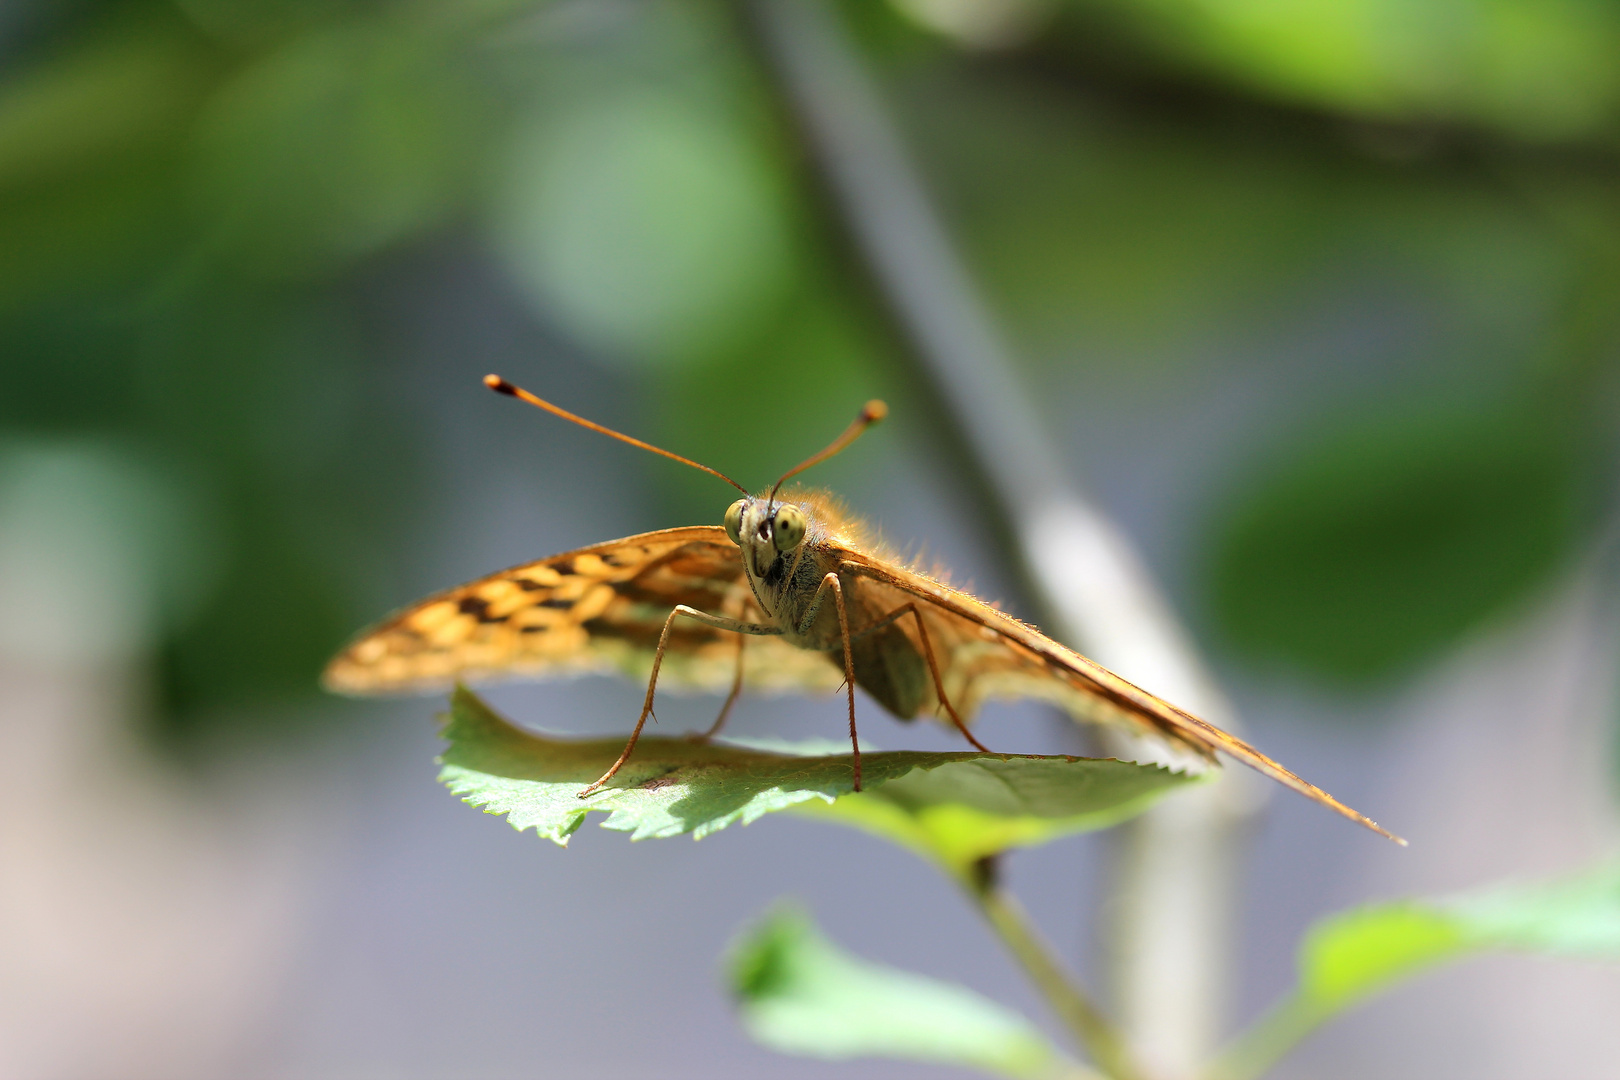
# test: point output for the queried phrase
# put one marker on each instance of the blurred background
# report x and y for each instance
(1320, 300)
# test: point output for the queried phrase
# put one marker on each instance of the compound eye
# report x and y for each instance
(788, 527)
(734, 514)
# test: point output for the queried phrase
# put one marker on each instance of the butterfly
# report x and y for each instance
(789, 592)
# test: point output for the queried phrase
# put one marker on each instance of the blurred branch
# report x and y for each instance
(1173, 894)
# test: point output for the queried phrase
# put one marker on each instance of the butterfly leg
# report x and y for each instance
(731, 698)
(716, 621)
(831, 582)
(933, 665)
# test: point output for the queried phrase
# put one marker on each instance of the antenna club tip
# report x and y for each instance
(875, 410)
(500, 385)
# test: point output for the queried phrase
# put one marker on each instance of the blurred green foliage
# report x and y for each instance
(1349, 957)
(185, 198)
(195, 194)
(1540, 70)
(798, 993)
(1369, 548)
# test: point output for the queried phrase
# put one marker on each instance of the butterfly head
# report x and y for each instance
(765, 530)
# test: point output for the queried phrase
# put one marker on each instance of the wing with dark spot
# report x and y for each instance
(598, 609)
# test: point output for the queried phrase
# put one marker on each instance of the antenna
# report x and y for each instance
(871, 413)
(501, 386)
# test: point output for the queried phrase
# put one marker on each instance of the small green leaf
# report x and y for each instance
(1346, 958)
(952, 805)
(800, 994)
(1349, 956)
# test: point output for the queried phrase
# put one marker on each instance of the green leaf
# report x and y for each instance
(798, 993)
(954, 803)
(994, 802)
(1350, 956)
(1346, 958)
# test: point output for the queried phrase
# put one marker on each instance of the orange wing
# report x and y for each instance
(985, 653)
(598, 609)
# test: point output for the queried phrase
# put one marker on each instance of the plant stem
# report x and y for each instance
(1091, 1029)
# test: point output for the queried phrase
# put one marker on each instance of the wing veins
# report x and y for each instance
(1157, 712)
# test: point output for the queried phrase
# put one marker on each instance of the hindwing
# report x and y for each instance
(984, 653)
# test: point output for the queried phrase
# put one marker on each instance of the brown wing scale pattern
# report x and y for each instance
(597, 609)
(985, 653)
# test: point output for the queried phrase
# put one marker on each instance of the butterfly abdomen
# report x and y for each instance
(890, 668)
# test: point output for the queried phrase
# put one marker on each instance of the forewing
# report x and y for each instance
(984, 653)
(598, 609)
